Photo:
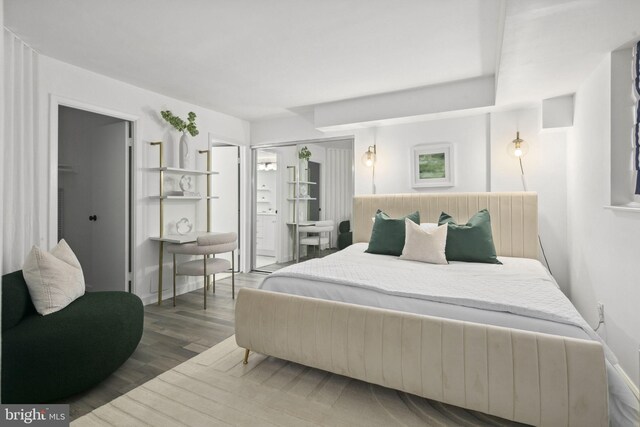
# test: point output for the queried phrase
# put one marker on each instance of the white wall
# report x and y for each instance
(394, 143)
(59, 79)
(394, 153)
(545, 173)
(603, 244)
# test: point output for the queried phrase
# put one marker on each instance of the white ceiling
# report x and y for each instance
(257, 59)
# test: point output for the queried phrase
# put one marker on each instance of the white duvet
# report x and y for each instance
(519, 286)
(519, 293)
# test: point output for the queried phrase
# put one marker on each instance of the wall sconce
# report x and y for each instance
(518, 148)
(369, 160)
(369, 157)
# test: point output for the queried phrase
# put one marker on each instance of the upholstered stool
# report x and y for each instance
(207, 245)
(314, 235)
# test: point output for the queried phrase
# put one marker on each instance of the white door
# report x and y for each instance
(109, 205)
(225, 209)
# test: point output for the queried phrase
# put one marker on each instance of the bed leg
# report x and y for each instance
(246, 357)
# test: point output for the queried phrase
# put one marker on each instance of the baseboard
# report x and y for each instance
(180, 289)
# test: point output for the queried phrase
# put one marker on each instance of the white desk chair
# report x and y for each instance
(315, 233)
(206, 245)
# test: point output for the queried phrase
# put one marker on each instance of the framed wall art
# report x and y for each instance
(433, 165)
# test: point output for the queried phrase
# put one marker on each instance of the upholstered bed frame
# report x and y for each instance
(528, 377)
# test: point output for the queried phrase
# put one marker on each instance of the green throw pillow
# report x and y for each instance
(470, 242)
(387, 236)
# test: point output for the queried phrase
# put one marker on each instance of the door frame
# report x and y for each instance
(55, 102)
(217, 141)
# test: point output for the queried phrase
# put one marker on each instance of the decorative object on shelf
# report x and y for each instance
(267, 166)
(183, 151)
(304, 154)
(303, 191)
(186, 183)
(184, 127)
(179, 124)
(433, 165)
(184, 226)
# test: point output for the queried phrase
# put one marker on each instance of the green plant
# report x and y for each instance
(179, 124)
(304, 153)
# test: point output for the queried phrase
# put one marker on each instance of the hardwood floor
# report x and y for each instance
(171, 336)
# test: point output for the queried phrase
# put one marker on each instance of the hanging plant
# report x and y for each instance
(304, 153)
(179, 124)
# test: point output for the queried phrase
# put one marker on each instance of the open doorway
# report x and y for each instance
(94, 195)
(267, 201)
(225, 208)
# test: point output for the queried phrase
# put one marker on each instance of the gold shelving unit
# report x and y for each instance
(162, 238)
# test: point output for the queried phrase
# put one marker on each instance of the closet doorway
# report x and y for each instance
(225, 208)
(296, 186)
(94, 195)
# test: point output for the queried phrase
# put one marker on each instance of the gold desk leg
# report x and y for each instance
(174, 280)
(246, 356)
(206, 279)
(161, 253)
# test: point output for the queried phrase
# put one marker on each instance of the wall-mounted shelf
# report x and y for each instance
(177, 197)
(184, 171)
(301, 182)
(264, 189)
(292, 199)
(162, 238)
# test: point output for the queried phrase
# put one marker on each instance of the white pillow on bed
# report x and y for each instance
(424, 245)
(429, 226)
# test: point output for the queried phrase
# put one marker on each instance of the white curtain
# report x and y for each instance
(339, 188)
(25, 165)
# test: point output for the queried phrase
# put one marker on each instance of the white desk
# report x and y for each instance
(172, 238)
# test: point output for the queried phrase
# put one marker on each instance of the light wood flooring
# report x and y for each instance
(171, 336)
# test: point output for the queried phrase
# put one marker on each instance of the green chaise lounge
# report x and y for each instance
(48, 358)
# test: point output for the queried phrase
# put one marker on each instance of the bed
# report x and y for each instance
(500, 339)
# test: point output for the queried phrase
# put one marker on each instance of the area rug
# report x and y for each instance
(215, 388)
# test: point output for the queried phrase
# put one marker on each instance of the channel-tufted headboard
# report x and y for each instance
(514, 216)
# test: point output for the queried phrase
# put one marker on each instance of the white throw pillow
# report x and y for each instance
(429, 226)
(54, 278)
(424, 245)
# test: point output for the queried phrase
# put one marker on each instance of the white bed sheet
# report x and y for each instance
(307, 280)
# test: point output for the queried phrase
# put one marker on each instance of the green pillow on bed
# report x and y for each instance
(387, 236)
(470, 242)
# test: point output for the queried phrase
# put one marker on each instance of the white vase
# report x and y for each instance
(183, 155)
